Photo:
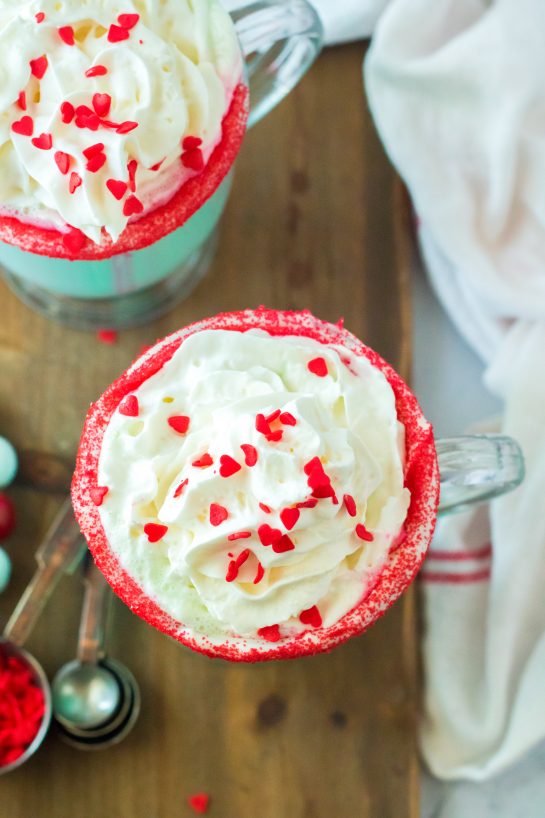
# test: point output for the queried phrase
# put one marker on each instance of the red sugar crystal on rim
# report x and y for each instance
(264, 508)
(66, 33)
(67, 112)
(271, 633)
(129, 406)
(318, 367)
(75, 182)
(180, 489)
(260, 573)
(23, 126)
(239, 535)
(44, 141)
(40, 17)
(107, 336)
(203, 462)
(155, 531)
(289, 517)
(363, 534)
(96, 162)
(287, 419)
(127, 127)
(311, 617)
(128, 20)
(199, 802)
(218, 514)
(228, 466)
(98, 494)
(350, 505)
(62, 161)
(96, 71)
(21, 100)
(189, 143)
(74, 239)
(250, 454)
(117, 188)
(38, 67)
(283, 544)
(268, 535)
(102, 104)
(117, 33)
(132, 206)
(180, 423)
(194, 160)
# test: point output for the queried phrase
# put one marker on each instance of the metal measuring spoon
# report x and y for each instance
(96, 700)
(59, 553)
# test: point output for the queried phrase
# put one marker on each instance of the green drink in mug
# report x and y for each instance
(122, 124)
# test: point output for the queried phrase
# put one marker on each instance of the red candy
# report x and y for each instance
(180, 423)
(283, 544)
(66, 33)
(363, 534)
(102, 104)
(218, 514)
(274, 437)
(129, 406)
(127, 127)
(116, 188)
(271, 633)
(273, 416)
(239, 535)
(117, 33)
(191, 142)
(98, 494)
(40, 17)
(318, 367)
(75, 182)
(107, 336)
(132, 206)
(63, 161)
(21, 100)
(7, 518)
(264, 508)
(23, 126)
(128, 20)
(132, 166)
(307, 504)
(234, 565)
(203, 462)
(194, 160)
(38, 67)
(74, 239)
(96, 71)
(261, 425)
(259, 574)
(155, 531)
(96, 162)
(67, 112)
(287, 419)
(311, 617)
(93, 150)
(22, 708)
(228, 466)
(289, 517)
(180, 489)
(350, 505)
(44, 141)
(268, 535)
(250, 454)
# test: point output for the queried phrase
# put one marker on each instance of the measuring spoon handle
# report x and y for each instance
(93, 614)
(59, 552)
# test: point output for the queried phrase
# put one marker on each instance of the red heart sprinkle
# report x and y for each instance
(129, 406)
(67, 112)
(242, 557)
(239, 535)
(102, 104)
(273, 416)
(318, 479)
(66, 33)
(157, 165)
(289, 517)
(203, 462)
(228, 466)
(194, 160)
(127, 127)
(311, 617)
(63, 161)
(106, 123)
(38, 67)
(128, 20)
(98, 494)
(40, 17)
(318, 367)
(155, 531)
(132, 167)
(325, 491)
(264, 508)
(44, 141)
(74, 240)
(132, 206)
(260, 574)
(191, 142)
(107, 336)
(283, 544)
(287, 419)
(307, 504)
(96, 162)
(21, 100)
(232, 572)
(312, 465)
(271, 633)
(274, 437)
(181, 487)
(96, 71)
(350, 505)
(75, 182)
(180, 423)
(116, 34)
(268, 535)
(250, 454)
(199, 802)
(23, 126)
(261, 425)
(83, 110)
(116, 188)
(363, 534)
(93, 150)
(90, 121)
(218, 514)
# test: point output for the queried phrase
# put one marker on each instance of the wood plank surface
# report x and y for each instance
(311, 223)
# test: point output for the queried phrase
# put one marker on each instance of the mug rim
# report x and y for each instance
(403, 562)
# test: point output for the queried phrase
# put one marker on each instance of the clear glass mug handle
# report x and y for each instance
(476, 468)
(280, 40)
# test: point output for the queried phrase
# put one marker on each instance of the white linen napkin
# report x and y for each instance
(458, 94)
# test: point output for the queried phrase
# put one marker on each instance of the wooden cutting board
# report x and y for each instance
(315, 220)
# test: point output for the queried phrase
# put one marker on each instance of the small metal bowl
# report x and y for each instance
(41, 681)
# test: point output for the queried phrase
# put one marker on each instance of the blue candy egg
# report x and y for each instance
(5, 570)
(8, 463)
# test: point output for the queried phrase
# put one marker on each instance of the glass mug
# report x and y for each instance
(280, 39)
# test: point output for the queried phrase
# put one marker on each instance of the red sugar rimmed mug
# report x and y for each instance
(472, 469)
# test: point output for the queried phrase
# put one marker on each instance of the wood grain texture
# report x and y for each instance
(310, 224)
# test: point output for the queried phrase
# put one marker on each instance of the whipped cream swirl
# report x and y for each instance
(217, 503)
(150, 72)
